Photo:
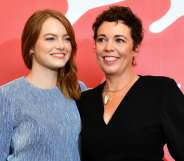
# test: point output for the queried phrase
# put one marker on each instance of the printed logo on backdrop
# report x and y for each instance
(78, 8)
(175, 11)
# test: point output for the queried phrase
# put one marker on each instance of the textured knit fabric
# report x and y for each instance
(37, 124)
(150, 115)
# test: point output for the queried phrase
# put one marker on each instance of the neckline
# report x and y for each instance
(28, 84)
(135, 83)
(122, 102)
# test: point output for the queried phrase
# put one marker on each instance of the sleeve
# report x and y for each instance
(173, 119)
(83, 86)
(5, 128)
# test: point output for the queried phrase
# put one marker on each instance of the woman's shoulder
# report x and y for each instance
(159, 83)
(93, 91)
(157, 80)
(11, 86)
(83, 86)
(8, 91)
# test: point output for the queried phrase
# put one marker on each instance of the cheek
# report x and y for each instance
(99, 46)
(69, 55)
(70, 48)
(127, 51)
(68, 45)
(69, 52)
(98, 50)
(98, 54)
(40, 47)
(99, 59)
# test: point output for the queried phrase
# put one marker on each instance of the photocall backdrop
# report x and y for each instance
(161, 53)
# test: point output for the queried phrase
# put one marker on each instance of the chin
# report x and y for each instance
(56, 67)
(59, 65)
(109, 72)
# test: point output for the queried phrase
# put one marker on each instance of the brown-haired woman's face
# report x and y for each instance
(53, 47)
(114, 47)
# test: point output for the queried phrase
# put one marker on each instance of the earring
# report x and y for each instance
(133, 61)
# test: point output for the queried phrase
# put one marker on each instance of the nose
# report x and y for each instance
(60, 44)
(109, 46)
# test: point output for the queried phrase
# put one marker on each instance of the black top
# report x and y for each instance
(150, 115)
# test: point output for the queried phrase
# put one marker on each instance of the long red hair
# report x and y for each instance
(67, 77)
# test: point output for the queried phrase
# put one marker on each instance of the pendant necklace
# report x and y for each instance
(107, 97)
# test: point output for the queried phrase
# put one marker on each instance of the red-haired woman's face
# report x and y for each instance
(53, 47)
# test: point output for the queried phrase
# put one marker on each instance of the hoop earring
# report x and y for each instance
(133, 61)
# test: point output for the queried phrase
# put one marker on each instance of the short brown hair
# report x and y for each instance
(124, 14)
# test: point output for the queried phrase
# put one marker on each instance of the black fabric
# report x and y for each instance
(150, 115)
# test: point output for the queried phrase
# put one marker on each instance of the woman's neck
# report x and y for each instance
(116, 82)
(45, 79)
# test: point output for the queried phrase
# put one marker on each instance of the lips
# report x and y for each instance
(58, 55)
(110, 59)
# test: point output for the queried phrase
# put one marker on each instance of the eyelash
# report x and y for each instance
(100, 39)
(52, 38)
(67, 39)
(49, 38)
(118, 40)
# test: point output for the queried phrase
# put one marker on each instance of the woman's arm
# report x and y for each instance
(6, 128)
(173, 119)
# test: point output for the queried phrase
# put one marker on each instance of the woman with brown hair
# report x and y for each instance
(39, 120)
(129, 117)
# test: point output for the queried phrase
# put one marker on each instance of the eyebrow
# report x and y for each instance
(121, 36)
(116, 36)
(51, 34)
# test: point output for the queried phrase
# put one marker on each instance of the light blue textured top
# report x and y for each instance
(37, 124)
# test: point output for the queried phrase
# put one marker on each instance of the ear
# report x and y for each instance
(136, 50)
(31, 52)
(134, 53)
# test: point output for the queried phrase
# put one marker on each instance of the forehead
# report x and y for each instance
(114, 28)
(52, 25)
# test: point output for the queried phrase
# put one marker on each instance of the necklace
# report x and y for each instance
(107, 97)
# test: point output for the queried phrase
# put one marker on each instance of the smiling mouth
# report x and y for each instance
(58, 55)
(110, 58)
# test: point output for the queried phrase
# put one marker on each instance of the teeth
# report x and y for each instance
(110, 58)
(58, 54)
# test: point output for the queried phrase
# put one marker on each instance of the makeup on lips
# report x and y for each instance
(110, 59)
(59, 55)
